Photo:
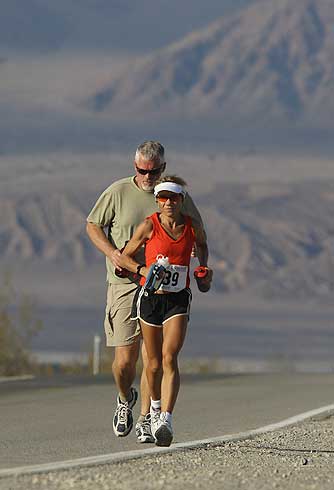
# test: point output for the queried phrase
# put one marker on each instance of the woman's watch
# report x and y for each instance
(139, 267)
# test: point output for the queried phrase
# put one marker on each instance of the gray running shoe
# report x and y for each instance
(123, 419)
(164, 433)
(143, 430)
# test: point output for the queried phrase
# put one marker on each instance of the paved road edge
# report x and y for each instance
(10, 379)
(140, 453)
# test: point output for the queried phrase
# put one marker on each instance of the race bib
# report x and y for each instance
(175, 279)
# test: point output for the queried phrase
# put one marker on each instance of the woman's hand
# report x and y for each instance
(203, 276)
(144, 271)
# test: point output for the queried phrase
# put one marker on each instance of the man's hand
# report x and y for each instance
(115, 259)
(101, 242)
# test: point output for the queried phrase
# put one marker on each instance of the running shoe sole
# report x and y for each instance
(163, 436)
(145, 439)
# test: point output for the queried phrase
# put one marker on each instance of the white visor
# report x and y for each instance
(169, 186)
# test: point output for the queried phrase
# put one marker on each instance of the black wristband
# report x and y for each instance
(139, 267)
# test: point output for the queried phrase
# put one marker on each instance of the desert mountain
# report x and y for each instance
(275, 240)
(272, 61)
(44, 228)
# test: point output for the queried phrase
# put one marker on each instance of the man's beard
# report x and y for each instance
(147, 187)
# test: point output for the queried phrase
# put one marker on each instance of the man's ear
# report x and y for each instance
(163, 167)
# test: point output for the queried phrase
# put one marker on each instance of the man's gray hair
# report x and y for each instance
(152, 151)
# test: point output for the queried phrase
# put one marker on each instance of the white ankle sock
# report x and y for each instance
(167, 416)
(156, 404)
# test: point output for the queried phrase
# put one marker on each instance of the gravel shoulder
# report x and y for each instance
(300, 457)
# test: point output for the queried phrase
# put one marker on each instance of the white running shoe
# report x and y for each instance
(164, 432)
(155, 421)
(143, 430)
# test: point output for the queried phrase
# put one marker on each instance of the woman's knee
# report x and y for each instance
(169, 361)
(153, 365)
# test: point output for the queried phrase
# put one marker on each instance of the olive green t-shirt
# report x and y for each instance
(120, 209)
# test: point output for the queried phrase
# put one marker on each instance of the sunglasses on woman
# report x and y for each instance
(153, 171)
(171, 197)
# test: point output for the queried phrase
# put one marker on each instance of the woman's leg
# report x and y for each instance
(153, 344)
(174, 332)
(144, 388)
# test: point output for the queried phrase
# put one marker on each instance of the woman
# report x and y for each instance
(169, 237)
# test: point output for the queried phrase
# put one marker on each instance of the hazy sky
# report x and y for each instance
(54, 54)
(127, 26)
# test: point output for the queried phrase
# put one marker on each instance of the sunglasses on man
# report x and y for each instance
(153, 171)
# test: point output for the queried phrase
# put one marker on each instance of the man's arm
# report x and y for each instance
(141, 234)
(101, 242)
(201, 245)
(191, 210)
(203, 282)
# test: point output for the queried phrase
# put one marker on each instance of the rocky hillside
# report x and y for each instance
(45, 228)
(276, 240)
(270, 62)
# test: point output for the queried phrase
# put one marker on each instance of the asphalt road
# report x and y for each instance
(43, 421)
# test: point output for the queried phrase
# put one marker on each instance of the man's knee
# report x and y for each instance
(122, 367)
(126, 357)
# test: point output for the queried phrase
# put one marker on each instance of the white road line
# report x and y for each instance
(127, 455)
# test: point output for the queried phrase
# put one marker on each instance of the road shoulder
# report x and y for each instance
(299, 457)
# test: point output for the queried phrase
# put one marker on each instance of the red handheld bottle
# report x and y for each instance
(201, 271)
(202, 279)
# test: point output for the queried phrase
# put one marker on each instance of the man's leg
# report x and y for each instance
(124, 368)
(123, 334)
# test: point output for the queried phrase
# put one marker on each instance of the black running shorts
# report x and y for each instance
(156, 309)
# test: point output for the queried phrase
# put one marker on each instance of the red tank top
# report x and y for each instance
(161, 243)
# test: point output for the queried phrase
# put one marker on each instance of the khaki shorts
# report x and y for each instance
(119, 328)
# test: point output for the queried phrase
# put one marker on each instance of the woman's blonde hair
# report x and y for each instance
(172, 178)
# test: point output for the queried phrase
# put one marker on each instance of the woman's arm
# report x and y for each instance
(142, 233)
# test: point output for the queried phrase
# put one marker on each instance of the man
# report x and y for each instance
(120, 209)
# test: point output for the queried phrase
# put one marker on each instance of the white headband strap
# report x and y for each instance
(169, 186)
